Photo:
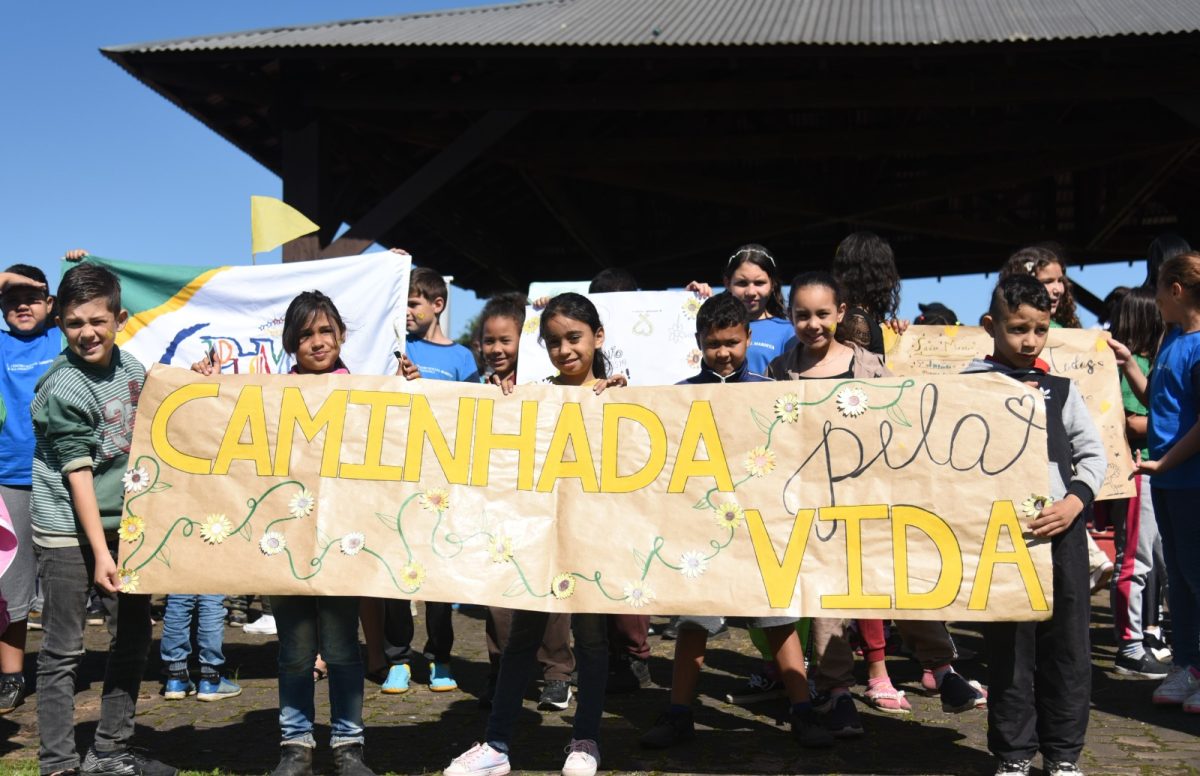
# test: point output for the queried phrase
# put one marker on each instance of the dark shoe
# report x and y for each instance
(348, 761)
(628, 674)
(556, 695)
(957, 694)
(1013, 768)
(12, 692)
(1053, 768)
(294, 760)
(1146, 666)
(66, 772)
(125, 762)
(669, 729)
(670, 631)
(842, 719)
(237, 618)
(810, 731)
(96, 613)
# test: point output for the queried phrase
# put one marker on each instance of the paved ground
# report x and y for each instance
(422, 731)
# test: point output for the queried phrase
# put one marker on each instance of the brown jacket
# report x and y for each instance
(864, 364)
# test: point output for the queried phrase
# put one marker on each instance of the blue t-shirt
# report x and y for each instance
(443, 362)
(1174, 400)
(769, 337)
(22, 361)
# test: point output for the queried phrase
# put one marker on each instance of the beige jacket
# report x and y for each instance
(865, 364)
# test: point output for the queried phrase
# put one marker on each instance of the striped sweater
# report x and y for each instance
(82, 417)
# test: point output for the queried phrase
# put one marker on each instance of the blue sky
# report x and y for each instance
(94, 159)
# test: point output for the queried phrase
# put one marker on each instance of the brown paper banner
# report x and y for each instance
(859, 498)
(1080, 354)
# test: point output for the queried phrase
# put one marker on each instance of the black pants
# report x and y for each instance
(1040, 673)
(398, 632)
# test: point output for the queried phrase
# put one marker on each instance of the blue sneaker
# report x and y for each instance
(178, 688)
(217, 689)
(440, 679)
(397, 680)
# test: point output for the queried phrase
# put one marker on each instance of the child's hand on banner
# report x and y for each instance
(1056, 517)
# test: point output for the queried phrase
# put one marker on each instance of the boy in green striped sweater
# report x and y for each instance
(83, 425)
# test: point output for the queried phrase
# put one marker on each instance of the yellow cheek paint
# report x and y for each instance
(420, 316)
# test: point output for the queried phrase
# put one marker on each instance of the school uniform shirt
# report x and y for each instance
(443, 362)
(740, 375)
(769, 339)
(82, 418)
(1174, 400)
(22, 361)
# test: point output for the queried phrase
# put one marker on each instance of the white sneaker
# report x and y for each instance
(583, 758)
(1178, 687)
(263, 626)
(479, 760)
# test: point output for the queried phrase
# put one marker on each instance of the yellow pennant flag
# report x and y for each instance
(273, 222)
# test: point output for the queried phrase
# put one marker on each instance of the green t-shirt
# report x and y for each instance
(1131, 402)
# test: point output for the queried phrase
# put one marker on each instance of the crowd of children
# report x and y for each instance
(66, 421)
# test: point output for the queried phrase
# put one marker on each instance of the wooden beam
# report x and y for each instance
(1139, 189)
(393, 208)
(301, 173)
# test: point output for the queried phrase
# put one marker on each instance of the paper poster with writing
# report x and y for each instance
(649, 336)
(895, 497)
(1080, 354)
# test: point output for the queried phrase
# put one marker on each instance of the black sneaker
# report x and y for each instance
(123, 763)
(556, 695)
(957, 694)
(628, 674)
(1147, 666)
(842, 719)
(237, 618)
(12, 692)
(1014, 767)
(670, 631)
(669, 729)
(96, 613)
(810, 731)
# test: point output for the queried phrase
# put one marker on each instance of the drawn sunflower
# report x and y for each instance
(352, 543)
(852, 402)
(215, 529)
(1033, 506)
(127, 580)
(272, 543)
(500, 548)
(135, 480)
(759, 462)
(435, 500)
(131, 528)
(302, 504)
(413, 574)
(563, 585)
(638, 594)
(531, 324)
(693, 564)
(729, 515)
(691, 306)
(787, 408)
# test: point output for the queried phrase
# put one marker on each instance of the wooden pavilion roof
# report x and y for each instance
(548, 139)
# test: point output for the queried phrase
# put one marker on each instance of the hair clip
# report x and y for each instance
(737, 253)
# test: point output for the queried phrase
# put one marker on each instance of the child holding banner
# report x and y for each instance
(752, 276)
(437, 357)
(313, 332)
(1040, 675)
(1173, 394)
(83, 414)
(27, 349)
(570, 327)
(723, 334)
(500, 325)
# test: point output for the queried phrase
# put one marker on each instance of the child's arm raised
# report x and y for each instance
(1129, 366)
(10, 279)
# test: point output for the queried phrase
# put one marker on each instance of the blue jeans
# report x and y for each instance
(520, 658)
(66, 573)
(329, 625)
(210, 633)
(1179, 524)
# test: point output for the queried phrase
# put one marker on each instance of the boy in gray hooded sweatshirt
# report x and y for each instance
(1039, 673)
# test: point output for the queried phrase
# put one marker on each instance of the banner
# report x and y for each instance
(649, 336)
(1080, 354)
(857, 498)
(178, 314)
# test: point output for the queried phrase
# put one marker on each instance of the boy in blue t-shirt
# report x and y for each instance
(27, 349)
(437, 358)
